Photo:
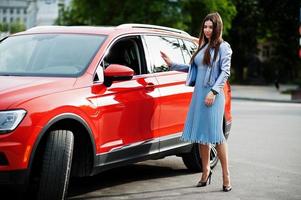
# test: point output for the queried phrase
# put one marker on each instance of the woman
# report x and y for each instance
(208, 72)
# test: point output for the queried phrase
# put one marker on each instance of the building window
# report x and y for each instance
(4, 11)
(11, 20)
(4, 19)
(18, 11)
(25, 11)
(11, 11)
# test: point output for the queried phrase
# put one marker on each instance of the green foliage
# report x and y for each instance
(4, 27)
(181, 14)
(12, 27)
(198, 9)
(17, 27)
(266, 21)
(108, 12)
(279, 24)
(242, 36)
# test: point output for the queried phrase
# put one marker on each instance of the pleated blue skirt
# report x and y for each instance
(204, 124)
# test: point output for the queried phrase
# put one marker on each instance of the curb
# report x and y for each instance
(266, 100)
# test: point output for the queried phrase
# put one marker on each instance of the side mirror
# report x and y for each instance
(116, 72)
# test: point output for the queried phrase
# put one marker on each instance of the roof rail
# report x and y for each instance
(41, 27)
(153, 27)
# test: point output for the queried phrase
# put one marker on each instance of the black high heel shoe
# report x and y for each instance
(207, 182)
(227, 188)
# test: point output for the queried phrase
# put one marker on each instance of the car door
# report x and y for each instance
(129, 111)
(174, 95)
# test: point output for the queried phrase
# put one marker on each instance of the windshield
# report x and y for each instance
(48, 54)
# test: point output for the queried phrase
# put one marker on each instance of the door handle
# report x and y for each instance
(150, 84)
(149, 87)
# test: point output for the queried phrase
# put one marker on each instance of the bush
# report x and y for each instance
(12, 27)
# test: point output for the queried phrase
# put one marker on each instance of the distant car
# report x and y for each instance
(75, 101)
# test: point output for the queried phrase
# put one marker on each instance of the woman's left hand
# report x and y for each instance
(209, 100)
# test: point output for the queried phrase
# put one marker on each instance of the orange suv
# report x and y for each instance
(75, 101)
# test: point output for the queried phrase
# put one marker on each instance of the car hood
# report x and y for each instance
(15, 90)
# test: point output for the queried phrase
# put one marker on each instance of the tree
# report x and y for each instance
(181, 14)
(265, 21)
(196, 10)
(243, 36)
(110, 12)
(280, 25)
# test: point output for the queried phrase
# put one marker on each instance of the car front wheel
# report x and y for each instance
(56, 165)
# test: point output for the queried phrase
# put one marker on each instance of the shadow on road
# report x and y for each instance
(12, 192)
(119, 176)
(107, 179)
(156, 194)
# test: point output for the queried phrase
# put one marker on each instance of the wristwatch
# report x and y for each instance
(214, 92)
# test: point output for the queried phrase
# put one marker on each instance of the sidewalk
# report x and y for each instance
(263, 93)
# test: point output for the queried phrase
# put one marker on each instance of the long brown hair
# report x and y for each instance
(216, 38)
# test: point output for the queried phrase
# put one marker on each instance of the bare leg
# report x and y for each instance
(205, 157)
(222, 152)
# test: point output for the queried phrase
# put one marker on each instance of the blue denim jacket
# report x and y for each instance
(216, 75)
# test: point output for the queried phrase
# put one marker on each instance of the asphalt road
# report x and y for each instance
(265, 163)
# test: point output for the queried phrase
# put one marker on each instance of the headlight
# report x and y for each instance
(9, 120)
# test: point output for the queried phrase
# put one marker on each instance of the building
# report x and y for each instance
(30, 12)
(13, 11)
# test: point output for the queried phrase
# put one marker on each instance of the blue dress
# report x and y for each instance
(204, 124)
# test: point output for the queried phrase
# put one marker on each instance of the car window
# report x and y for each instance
(48, 54)
(168, 45)
(126, 51)
(190, 46)
(185, 52)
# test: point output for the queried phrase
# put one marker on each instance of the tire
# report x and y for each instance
(193, 161)
(56, 165)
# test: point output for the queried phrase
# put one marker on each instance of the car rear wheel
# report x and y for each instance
(56, 165)
(193, 161)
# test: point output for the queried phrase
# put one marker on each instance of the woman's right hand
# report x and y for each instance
(166, 58)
